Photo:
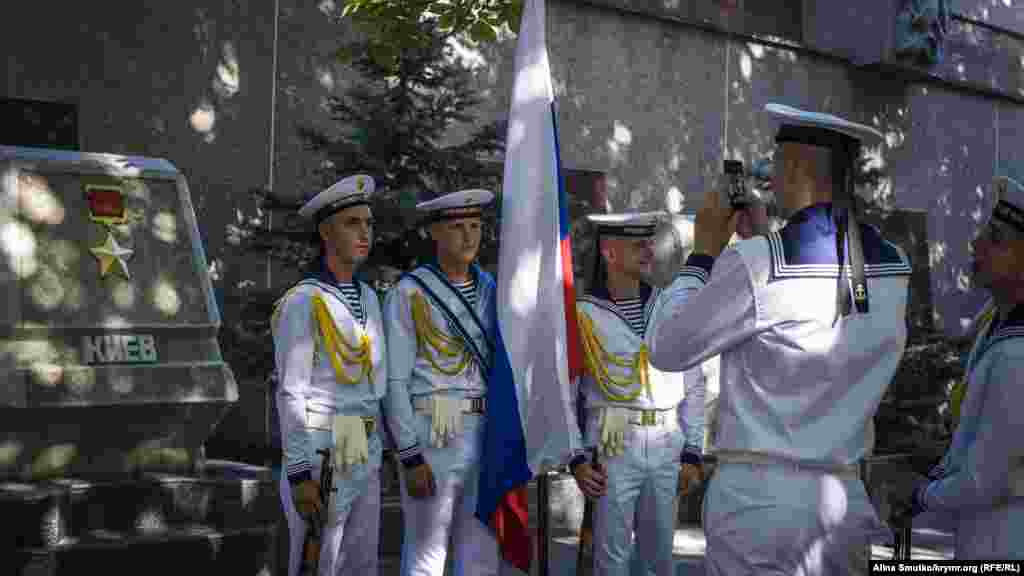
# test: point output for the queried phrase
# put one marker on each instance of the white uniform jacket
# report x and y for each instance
(413, 362)
(795, 382)
(310, 394)
(982, 474)
(668, 390)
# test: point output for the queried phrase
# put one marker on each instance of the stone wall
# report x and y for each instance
(191, 82)
(653, 94)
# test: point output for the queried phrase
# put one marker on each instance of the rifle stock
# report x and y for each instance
(311, 547)
(586, 527)
(311, 544)
(586, 536)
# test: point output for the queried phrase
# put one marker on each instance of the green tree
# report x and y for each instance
(393, 123)
(392, 126)
(395, 26)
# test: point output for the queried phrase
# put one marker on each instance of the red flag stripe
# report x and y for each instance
(511, 526)
(572, 328)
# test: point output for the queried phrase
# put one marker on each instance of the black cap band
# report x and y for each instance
(814, 136)
(627, 231)
(453, 214)
(1010, 214)
(343, 204)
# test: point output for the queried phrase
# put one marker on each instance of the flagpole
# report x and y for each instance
(543, 505)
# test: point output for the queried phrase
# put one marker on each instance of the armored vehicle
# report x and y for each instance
(112, 378)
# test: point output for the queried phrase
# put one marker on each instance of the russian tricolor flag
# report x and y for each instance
(536, 352)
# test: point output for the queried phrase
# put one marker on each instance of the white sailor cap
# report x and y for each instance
(1009, 207)
(637, 224)
(818, 129)
(461, 204)
(345, 193)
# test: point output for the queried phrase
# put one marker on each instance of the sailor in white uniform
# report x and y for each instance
(646, 426)
(806, 356)
(439, 320)
(980, 480)
(330, 359)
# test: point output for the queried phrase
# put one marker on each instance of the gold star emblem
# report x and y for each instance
(109, 253)
(360, 183)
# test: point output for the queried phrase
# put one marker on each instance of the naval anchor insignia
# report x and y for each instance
(106, 208)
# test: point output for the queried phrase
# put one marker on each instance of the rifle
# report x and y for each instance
(311, 544)
(587, 526)
(901, 538)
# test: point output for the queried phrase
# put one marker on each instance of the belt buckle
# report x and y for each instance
(648, 418)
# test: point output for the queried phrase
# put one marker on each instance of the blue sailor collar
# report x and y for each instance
(323, 274)
(600, 297)
(1011, 327)
(480, 277)
(1015, 319)
(806, 248)
(325, 280)
(602, 293)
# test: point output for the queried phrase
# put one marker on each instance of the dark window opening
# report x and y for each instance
(38, 124)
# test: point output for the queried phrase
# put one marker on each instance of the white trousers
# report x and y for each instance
(649, 466)
(450, 513)
(645, 551)
(992, 533)
(777, 520)
(349, 541)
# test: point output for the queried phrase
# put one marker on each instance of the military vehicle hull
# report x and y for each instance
(111, 378)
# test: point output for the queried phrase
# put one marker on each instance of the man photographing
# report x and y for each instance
(981, 478)
(809, 322)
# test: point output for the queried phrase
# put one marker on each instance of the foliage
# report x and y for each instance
(393, 27)
(393, 124)
(914, 414)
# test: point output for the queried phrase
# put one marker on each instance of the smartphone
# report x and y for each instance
(737, 194)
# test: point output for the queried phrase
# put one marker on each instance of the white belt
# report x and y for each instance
(613, 421)
(351, 435)
(647, 416)
(475, 405)
(446, 414)
(325, 421)
(762, 458)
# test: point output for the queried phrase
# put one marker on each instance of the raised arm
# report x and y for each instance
(703, 312)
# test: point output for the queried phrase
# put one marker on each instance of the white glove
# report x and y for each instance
(350, 443)
(437, 421)
(613, 431)
(446, 418)
(454, 417)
